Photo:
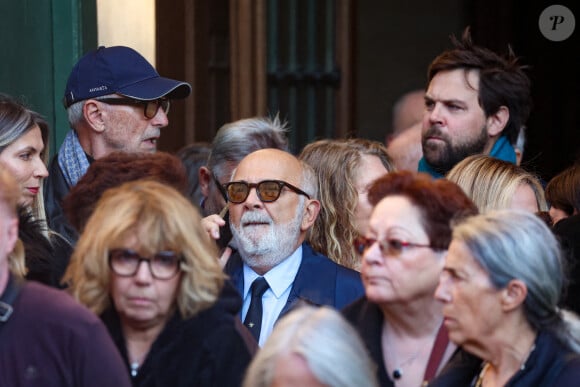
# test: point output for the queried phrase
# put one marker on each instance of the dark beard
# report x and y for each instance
(444, 159)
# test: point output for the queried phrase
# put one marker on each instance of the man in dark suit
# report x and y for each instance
(272, 198)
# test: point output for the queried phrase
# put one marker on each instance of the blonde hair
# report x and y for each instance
(491, 183)
(15, 121)
(336, 163)
(9, 197)
(325, 340)
(163, 219)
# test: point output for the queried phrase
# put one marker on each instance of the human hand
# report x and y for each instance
(211, 224)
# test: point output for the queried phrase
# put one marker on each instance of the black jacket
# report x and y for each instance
(549, 364)
(367, 319)
(568, 233)
(46, 257)
(211, 349)
(55, 189)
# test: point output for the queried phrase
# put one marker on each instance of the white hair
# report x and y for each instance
(330, 346)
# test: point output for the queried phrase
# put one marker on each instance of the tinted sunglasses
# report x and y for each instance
(267, 190)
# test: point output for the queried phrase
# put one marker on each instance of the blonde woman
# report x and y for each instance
(145, 265)
(495, 184)
(48, 339)
(23, 142)
(23, 149)
(345, 169)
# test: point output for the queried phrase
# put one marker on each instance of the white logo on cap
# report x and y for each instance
(100, 88)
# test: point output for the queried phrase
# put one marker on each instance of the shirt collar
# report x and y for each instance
(280, 277)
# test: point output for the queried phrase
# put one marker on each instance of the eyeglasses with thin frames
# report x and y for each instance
(150, 108)
(163, 265)
(390, 246)
(267, 190)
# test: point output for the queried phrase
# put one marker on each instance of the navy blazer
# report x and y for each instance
(319, 280)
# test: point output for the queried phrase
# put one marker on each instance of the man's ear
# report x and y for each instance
(513, 295)
(93, 115)
(498, 121)
(204, 176)
(311, 210)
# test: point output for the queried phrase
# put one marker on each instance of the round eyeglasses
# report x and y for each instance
(163, 265)
(267, 190)
(150, 108)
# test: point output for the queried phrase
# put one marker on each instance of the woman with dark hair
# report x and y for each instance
(563, 193)
(403, 253)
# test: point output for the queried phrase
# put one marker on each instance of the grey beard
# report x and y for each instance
(273, 246)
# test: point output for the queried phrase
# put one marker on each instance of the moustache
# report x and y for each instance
(255, 217)
(433, 131)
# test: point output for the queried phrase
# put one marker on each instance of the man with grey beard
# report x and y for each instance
(272, 204)
(476, 102)
(233, 142)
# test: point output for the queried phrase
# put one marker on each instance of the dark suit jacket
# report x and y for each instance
(319, 281)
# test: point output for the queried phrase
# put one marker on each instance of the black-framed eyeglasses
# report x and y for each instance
(150, 108)
(220, 186)
(391, 246)
(267, 190)
(163, 265)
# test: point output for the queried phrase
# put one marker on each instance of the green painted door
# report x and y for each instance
(40, 42)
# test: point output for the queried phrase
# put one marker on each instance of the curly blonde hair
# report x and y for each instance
(336, 164)
(162, 219)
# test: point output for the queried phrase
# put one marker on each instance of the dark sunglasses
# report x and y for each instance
(267, 190)
(163, 265)
(391, 246)
(150, 108)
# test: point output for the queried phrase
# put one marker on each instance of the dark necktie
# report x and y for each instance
(253, 318)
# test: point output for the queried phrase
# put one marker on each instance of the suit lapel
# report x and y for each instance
(314, 282)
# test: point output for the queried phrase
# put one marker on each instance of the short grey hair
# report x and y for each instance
(237, 139)
(325, 340)
(515, 244)
(75, 111)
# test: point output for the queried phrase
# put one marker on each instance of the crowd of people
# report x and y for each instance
(433, 259)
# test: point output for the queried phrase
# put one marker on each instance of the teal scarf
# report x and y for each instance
(502, 149)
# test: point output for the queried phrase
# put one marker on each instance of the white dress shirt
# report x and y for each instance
(280, 278)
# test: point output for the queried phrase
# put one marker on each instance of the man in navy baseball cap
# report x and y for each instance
(121, 70)
(115, 101)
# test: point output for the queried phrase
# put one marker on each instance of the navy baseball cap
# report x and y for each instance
(121, 70)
